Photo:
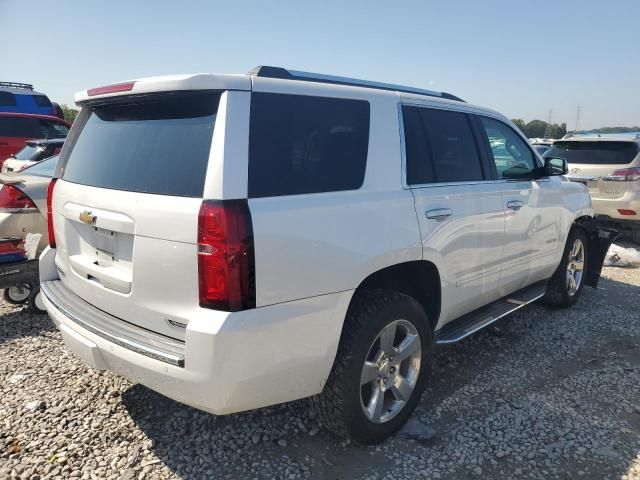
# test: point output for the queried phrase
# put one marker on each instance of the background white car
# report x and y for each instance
(33, 151)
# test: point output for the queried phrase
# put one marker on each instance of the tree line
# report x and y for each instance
(540, 128)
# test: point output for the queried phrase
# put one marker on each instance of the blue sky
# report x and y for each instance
(521, 57)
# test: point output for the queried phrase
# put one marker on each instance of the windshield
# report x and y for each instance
(29, 152)
(158, 144)
(595, 153)
(44, 168)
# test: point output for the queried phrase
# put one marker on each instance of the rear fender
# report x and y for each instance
(600, 239)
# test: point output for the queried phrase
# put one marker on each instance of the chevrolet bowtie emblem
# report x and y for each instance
(87, 218)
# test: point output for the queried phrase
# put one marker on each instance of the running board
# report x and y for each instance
(464, 326)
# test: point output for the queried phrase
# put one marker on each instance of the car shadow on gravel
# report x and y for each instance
(547, 394)
(19, 322)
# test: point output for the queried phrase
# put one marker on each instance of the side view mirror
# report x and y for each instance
(555, 166)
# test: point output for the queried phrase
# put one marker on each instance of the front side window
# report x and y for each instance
(512, 156)
(42, 100)
(300, 144)
(440, 147)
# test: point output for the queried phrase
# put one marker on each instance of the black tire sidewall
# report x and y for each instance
(7, 297)
(568, 300)
(358, 425)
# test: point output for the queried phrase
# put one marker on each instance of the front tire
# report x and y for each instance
(567, 282)
(380, 369)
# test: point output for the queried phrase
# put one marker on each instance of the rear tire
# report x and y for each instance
(567, 282)
(350, 408)
(17, 294)
(35, 302)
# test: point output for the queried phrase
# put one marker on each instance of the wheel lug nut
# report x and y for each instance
(386, 379)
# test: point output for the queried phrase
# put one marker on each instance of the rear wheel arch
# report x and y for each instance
(418, 279)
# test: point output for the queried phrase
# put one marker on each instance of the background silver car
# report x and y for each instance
(23, 201)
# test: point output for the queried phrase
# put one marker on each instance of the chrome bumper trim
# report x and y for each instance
(113, 329)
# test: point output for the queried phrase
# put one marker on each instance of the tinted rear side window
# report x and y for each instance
(21, 127)
(440, 147)
(300, 144)
(158, 144)
(596, 153)
(7, 99)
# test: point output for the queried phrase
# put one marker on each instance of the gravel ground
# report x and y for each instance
(551, 394)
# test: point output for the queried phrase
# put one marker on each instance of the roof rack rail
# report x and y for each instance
(282, 73)
(26, 86)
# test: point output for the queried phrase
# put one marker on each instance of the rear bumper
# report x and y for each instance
(251, 359)
(609, 206)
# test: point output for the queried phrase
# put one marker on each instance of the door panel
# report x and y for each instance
(460, 212)
(531, 233)
(532, 207)
(467, 245)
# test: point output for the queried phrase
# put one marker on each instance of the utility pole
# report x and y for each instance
(547, 131)
(578, 118)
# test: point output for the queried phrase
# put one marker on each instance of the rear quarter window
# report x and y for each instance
(595, 153)
(158, 144)
(301, 144)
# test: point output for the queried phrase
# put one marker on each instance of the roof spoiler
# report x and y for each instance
(284, 74)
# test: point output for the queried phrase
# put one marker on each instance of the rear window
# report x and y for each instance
(300, 144)
(44, 168)
(42, 100)
(29, 152)
(7, 99)
(595, 153)
(158, 144)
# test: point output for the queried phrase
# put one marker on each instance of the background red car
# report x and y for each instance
(17, 128)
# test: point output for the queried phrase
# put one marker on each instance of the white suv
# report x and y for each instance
(237, 241)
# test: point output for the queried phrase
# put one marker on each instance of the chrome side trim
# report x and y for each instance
(133, 340)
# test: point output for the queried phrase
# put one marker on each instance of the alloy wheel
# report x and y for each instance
(575, 267)
(390, 371)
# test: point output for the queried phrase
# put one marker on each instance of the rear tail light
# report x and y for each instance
(226, 266)
(626, 211)
(624, 175)
(12, 199)
(52, 236)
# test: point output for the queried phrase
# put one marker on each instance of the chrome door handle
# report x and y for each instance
(438, 213)
(514, 204)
